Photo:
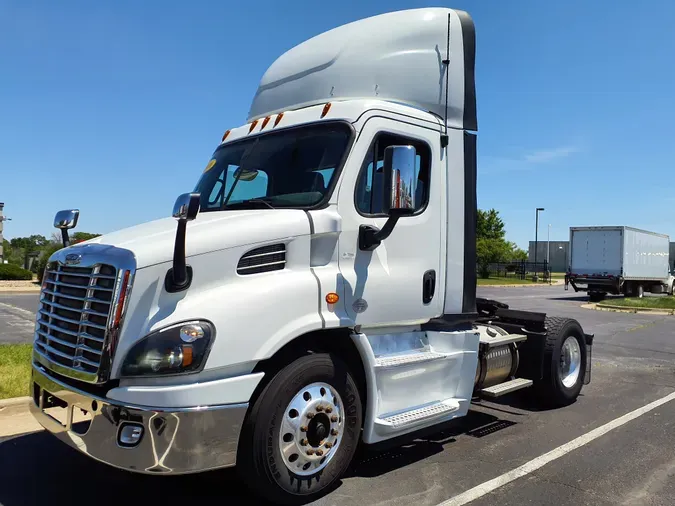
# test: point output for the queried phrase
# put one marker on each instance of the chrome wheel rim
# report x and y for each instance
(570, 362)
(311, 429)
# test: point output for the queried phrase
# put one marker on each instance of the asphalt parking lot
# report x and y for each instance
(633, 366)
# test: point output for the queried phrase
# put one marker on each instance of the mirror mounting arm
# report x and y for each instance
(371, 237)
(179, 277)
(65, 238)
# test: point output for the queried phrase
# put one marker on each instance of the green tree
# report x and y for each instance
(517, 254)
(489, 225)
(82, 236)
(491, 251)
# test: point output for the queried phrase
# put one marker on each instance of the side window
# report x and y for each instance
(369, 189)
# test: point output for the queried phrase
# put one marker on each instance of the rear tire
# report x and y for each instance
(564, 362)
(596, 296)
(288, 476)
(640, 292)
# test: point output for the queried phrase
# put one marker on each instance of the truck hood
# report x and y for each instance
(152, 242)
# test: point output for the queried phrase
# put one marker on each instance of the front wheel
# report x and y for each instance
(302, 431)
(565, 356)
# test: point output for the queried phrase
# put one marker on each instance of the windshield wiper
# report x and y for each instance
(250, 201)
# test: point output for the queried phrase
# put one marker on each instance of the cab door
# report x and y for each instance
(400, 281)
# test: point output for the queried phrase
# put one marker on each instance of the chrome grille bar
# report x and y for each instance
(81, 287)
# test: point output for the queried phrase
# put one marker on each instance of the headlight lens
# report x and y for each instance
(180, 348)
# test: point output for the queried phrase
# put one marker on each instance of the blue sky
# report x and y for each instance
(115, 106)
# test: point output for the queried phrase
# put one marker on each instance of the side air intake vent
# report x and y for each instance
(265, 259)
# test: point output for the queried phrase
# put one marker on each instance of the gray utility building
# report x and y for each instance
(559, 251)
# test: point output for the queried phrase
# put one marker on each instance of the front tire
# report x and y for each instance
(565, 358)
(302, 431)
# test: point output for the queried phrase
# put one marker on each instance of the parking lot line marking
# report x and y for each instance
(534, 464)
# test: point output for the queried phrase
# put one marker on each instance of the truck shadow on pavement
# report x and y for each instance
(37, 469)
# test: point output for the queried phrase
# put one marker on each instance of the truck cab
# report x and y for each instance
(315, 290)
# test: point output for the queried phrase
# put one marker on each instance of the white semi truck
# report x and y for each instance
(318, 290)
(619, 260)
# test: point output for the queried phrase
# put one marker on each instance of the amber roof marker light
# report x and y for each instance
(278, 120)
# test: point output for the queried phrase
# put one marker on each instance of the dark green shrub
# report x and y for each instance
(41, 263)
(14, 273)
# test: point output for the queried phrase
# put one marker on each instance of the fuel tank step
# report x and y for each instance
(417, 415)
(410, 358)
(506, 388)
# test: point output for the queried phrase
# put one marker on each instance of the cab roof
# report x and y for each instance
(398, 57)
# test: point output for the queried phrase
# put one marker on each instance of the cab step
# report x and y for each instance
(387, 361)
(418, 415)
(502, 340)
(506, 388)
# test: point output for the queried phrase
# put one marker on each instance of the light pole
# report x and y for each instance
(536, 237)
(548, 253)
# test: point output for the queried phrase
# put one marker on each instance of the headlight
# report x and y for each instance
(180, 348)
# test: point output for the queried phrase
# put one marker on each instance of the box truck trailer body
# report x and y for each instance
(618, 260)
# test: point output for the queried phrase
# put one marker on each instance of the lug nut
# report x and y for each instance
(319, 408)
(319, 453)
(303, 442)
(303, 428)
(310, 452)
(334, 418)
(310, 415)
(328, 444)
(329, 409)
(334, 432)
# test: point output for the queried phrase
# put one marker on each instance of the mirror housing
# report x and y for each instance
(400, 179)
(179, 277)
(64, 221)
(186, 207)
(400, 185)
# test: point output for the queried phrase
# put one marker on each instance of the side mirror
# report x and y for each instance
(179, 277)
(186, 207)
(65, 220)
(400, 179)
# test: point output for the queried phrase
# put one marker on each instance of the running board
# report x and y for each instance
(492, 342)
(506, 388)
(419, 415)
(387, 361)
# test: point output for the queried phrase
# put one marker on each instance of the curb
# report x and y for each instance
(14, 401)
(627, 309)
(556, 282)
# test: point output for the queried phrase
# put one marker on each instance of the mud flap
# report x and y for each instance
(589, 353)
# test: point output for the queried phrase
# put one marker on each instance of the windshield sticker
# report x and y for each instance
(210, 165)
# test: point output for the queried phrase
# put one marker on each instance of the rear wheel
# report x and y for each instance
(596, 296)
(302, 431)
(564, 361)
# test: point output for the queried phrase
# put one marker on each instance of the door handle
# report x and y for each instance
(428, 286)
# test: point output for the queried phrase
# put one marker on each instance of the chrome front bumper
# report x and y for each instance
(174, 441)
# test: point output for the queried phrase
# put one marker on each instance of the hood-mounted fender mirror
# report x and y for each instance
(65, 220)
(179, 277)
(400, 185)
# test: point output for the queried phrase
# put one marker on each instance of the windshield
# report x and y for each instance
(292, 168)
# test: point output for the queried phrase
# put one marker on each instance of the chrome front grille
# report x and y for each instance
(74, 314)
(81, 310)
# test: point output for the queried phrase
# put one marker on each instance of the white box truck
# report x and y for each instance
(318, 289)
(618, 260)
